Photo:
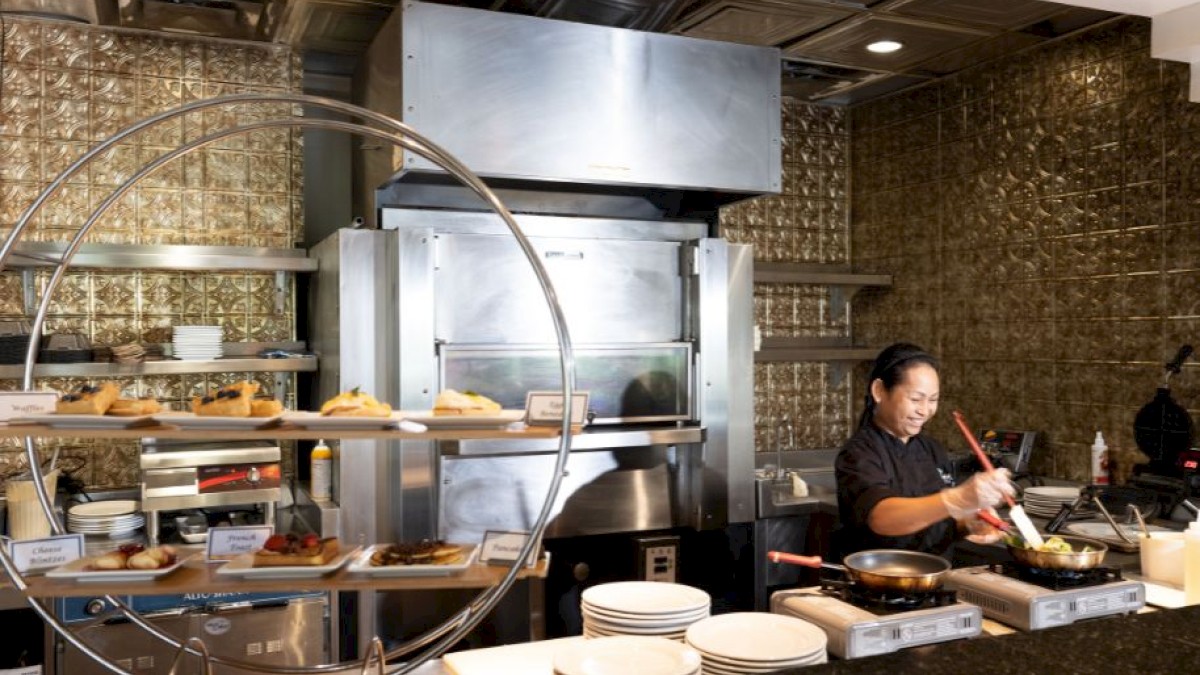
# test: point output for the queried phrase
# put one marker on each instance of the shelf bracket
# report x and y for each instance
(197, 644)
(29, 290)
(839, 301)
(282, 380)
(375, 652)
(281, 289)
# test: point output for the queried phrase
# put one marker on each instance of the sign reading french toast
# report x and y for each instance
(226, 543)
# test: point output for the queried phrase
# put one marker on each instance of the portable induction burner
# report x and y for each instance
(1032, 601)
(858, 625)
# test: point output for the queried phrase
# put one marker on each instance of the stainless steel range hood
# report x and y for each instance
(534, 105)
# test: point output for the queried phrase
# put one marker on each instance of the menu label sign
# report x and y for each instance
(38, 555)
(503, 548)
(226, 543)
(546, 408)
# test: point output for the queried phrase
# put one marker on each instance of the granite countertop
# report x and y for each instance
(1165, 641)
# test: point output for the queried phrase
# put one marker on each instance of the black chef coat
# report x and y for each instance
(874, 465)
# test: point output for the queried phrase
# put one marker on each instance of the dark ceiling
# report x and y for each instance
(823, 42)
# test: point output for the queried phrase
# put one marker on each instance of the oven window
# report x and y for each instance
(626, 385)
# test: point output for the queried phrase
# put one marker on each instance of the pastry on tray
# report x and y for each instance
(132, 407)
(355, 403)
(233, 400)
(424, 552)
(451, 402)
(88, 400)
(289, 550)
(265, 407)
(135, 557)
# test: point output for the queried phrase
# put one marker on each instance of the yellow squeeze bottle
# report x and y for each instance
(1191, 563)
(321, 465)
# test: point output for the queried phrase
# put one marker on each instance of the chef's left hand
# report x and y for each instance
(980, 532)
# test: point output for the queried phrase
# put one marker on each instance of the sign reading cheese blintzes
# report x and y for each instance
(37, 555)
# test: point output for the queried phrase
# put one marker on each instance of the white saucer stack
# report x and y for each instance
(109, 518)
(642, 608)
(1046, 501)
(624, 654)
(756, 642)
(192, 343)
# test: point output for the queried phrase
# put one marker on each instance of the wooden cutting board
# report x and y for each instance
(530, 658)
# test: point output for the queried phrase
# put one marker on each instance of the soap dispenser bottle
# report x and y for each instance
(1191, 563)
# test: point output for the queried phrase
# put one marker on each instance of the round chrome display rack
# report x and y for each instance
(435, 641)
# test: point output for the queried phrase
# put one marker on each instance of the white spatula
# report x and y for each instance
(1021, 519)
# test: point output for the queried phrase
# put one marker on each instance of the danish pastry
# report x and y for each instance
(88, 400)
(132, 407)
(230, 401)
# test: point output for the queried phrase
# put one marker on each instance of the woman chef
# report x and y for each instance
(894, 485)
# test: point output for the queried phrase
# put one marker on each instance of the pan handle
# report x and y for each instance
(979, 453)
(813, 561)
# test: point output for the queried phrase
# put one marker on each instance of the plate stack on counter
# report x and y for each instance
(1046, 501)
(642, 608)
(754, 642)
(624, 654)
(106, 524)
(192, 343)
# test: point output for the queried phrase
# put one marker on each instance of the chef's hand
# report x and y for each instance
(981, 532)
(984, 489)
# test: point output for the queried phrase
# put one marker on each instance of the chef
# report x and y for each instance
(895, 488)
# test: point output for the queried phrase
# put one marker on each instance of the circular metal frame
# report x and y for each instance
(438, 639)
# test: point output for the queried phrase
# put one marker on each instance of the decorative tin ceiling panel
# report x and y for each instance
(758, 23)
(846, 44)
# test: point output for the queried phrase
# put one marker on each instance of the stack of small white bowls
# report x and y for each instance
(756, 642)
(193, 343)
(642, 608)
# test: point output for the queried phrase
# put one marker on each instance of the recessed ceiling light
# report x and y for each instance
(884, 46)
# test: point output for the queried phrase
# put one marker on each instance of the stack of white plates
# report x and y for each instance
(755, 642)
(1046, 501)
(108, 518)
(650, 608)
(626, 654)
(197, 342)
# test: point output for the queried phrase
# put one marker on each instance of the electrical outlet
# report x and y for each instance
(658, 558)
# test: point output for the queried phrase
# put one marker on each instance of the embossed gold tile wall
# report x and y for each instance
(1040, 215)
(805, 223)
(68, 86)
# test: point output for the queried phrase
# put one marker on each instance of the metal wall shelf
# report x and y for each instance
(165, 257)
(165, 367)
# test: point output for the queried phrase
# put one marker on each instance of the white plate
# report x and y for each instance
(315, 420)
(601, 616)
(77, 571)
(105, 509)
(500, 419)
(613, 629)
(1105, 531)
(187, 420)
(362, 565)
(621, 655)
(1053, 493)
(194, 538)
(243, 566)
(757, 637)
(87, 421)
(646, 597)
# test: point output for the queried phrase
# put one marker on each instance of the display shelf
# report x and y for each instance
(282, 431)
(164, 367)
(842, 282)
(198, 576)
